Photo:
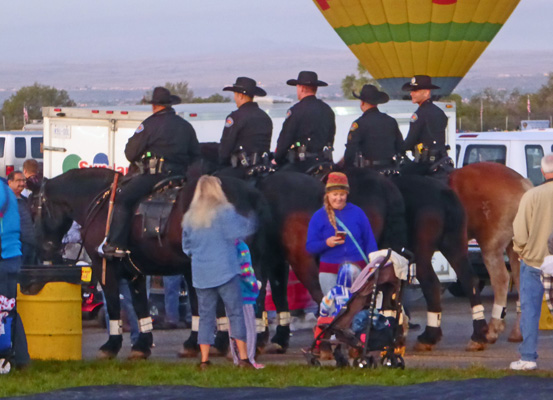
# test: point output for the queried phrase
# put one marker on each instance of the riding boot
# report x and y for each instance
(116, 243)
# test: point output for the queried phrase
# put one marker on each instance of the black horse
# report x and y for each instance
(80, 195)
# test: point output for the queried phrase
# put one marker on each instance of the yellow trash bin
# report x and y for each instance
(49, 303)
(546, 319)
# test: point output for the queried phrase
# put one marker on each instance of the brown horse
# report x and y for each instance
(490, 194)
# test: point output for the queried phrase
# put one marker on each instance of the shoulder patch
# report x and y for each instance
(229, 122)
(288, 113)
(354, 127)
(414, 117)
(139, 129)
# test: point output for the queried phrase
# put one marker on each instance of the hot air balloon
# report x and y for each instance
(396, 39)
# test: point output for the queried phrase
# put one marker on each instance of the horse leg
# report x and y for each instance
(141, 348)
(111, 348)
(499, 277)
(516, 334)
(430, 286)
(190, 346)
(278, 279)
(458, 258)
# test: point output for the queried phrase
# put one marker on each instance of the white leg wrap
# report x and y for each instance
(115, 327)
(145, 325)
(518, 306)
(434, 319)
(499, 312)
(389, 313)
(259, 325)
(283, 318)
(478, 312)
(400, 321)
(195, 323)
(222, 324)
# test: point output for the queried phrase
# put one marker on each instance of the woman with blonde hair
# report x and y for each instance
(211, 227)
(339, 232)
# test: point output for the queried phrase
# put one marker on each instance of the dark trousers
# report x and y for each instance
(135, 189)
(9, 269)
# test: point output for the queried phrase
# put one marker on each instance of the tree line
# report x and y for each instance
(26, 104)
(500, 109)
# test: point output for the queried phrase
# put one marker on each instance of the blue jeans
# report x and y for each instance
(9, 269)
(531, 296)
(231, 294)
(171, 290)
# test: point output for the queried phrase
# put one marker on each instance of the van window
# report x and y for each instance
(36, 146)
(20, 147)
(485, 152)
(2, 144)
(534, 154)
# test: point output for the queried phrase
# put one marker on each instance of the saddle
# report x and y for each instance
(155, 209)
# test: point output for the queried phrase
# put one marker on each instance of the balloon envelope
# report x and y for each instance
(397, 39)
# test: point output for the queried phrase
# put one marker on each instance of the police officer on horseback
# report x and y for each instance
(163, 145)
(374, 139)
(426, 137)
(308, 131)
(246, 138)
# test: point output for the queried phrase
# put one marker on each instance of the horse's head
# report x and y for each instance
(52, 221)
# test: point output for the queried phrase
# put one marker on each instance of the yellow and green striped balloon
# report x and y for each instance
(396, 39)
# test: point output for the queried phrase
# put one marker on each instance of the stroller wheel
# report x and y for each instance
(393, 361)
(5, 366)
(311, 359)
(368, 362)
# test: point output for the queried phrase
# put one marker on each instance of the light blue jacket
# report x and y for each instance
(213, 249)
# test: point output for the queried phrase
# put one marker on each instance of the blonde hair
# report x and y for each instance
(330, 212)
(208, 199)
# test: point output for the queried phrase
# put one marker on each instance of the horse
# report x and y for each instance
(490, 193)
(77, 196)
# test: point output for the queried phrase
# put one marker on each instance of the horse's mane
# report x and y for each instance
(79, 183)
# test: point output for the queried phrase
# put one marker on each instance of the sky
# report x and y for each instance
(133, 33)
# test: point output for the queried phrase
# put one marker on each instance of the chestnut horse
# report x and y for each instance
(490, 194)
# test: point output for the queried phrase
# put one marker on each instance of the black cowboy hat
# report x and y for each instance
(306, 78)
(163, 97)
(246, 86)
(370, 94)
(419, 82)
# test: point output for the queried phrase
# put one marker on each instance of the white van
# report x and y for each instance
(521, 151)
(16, 147)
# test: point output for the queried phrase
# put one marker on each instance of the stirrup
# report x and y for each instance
(108, 250)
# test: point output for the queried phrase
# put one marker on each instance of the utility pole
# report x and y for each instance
(481, 115)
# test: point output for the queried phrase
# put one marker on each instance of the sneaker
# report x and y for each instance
(245, 364)
(521, 365)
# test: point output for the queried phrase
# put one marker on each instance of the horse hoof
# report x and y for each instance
(491, 338)
(424, 347)
(475, 346)
(106, 355)
(275, 348)
(515, 337)
(138, 355)
(495, 328)
(187, 353)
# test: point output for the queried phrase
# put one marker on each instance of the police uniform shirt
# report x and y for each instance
(310, 122)
(166, 135)
(248, 127)
(428, 125)
(376, 135)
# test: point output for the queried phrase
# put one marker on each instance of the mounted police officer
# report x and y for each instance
(247, 134)
(163, 145)
(308, 131)
(374, 139)
(426, 138)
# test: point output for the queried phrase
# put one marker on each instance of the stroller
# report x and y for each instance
(383, 333)
(7, 333)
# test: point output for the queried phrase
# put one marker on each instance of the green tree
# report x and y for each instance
(186, 94)
(355, 82)
(214, 98)
(33, 98)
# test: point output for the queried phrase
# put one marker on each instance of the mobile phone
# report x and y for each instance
(341, 234)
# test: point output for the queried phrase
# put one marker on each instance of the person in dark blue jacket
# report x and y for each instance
(339, 232)
(10, 264)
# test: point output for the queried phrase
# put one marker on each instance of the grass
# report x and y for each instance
(45, 376)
